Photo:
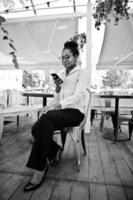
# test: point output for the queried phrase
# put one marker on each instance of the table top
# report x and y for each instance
(125, 96)
(37, 94)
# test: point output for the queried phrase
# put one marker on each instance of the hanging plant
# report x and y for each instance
(81, 39)
(7, 38)
(102, 10)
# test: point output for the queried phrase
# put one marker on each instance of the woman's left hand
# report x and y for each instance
(56, 106)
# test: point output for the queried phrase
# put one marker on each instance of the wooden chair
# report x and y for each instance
(103, 107)
(106, 110)
(124, 119)
(77, 134)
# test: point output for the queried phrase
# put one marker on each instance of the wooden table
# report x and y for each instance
(117, 98)
(37, 94)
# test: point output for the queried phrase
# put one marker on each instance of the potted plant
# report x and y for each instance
(103, 9)
(7, 38)
(81, 39)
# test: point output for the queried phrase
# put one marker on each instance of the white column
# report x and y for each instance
(1, 125)
(89, 40)
(88, 54)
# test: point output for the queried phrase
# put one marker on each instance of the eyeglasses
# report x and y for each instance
(66, 57)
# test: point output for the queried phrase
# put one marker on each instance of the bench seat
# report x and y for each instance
(17, 111)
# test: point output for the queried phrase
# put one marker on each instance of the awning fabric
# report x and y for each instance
(117, 47)
(38, 40)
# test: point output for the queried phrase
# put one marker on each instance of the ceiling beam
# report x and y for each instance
(33, 7)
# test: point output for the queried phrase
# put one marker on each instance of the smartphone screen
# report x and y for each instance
(55, 76)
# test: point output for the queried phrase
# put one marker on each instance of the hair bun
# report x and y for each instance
(71, 44)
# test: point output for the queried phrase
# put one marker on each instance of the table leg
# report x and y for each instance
(116, 130)
(27, 100)
(44, 101)
(117, 136)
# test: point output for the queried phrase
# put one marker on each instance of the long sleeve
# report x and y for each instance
(73, 90)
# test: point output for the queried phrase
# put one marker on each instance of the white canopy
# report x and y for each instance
(117, 47)
(38, 40)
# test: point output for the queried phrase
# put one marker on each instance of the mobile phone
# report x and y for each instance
(55, 76)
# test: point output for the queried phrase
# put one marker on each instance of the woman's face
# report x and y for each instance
(68, 59)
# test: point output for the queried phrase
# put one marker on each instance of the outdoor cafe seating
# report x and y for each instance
(102, 107)
(125, 116)
(106, 109)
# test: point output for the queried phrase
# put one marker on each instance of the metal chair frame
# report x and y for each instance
(77, 134)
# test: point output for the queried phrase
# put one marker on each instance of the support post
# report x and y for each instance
(88, 55)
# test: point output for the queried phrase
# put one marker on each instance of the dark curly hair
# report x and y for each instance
(73, 46)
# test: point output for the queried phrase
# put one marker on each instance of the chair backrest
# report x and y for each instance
(95, 101)
(3, 99)
(14, 98)
(88, 104)
(103, 104)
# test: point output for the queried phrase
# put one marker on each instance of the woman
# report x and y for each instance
(66, 110)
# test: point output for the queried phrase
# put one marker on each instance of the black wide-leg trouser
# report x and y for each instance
(44, 146)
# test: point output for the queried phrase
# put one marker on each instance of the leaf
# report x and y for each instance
(5, 37)
(10, 44)
(2, 19)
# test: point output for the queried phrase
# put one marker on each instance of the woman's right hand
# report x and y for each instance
(58, 81)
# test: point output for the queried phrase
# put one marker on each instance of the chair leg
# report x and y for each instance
(83, 141)
(113, 116)
(102, 121)
(78, 154)
(17, 120)
(76, 144)
(130, 127)
(93, 113)
(63, 137)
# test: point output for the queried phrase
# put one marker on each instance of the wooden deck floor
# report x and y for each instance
(106, 171)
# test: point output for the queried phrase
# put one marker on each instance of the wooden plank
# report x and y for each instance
(124, 172)
(94, 181)
(127, 154)
(19, 194)
(15, 149)
(116, 193)
(129, 192)
(67, 165)
(130, 145)
(98, 192)
(80, 191)
(118, 153)
(110, 171)
(7, 189)
(3, 178)
(44, 192)
(61, 190)
(95, 169)
(83, 175)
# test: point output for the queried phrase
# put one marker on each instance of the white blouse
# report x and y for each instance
(72, 93)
